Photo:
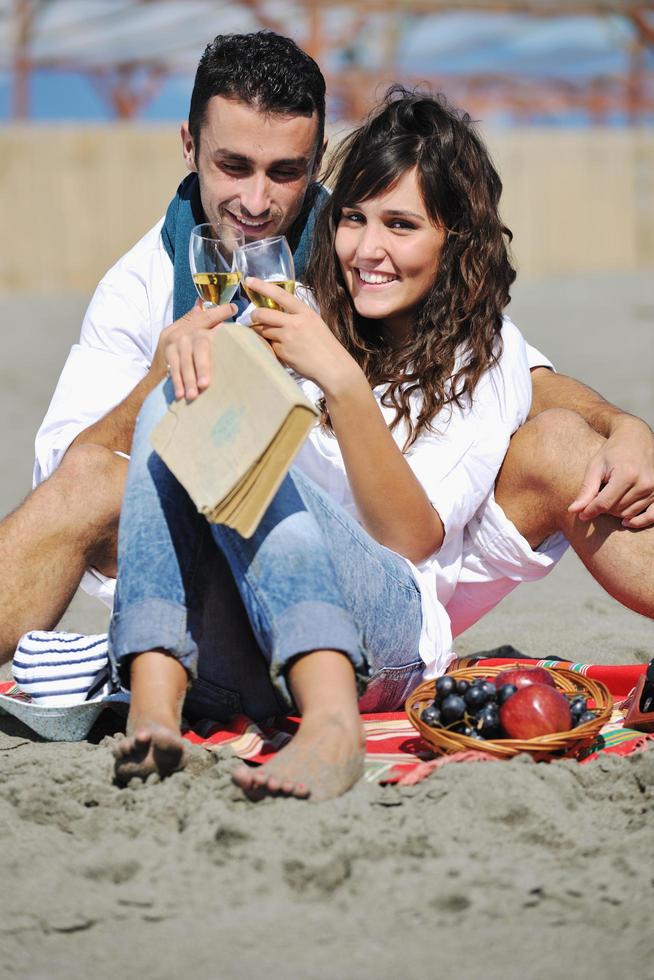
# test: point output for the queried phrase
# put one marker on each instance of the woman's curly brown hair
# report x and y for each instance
(456, 335)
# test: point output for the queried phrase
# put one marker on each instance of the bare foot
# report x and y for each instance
(149, 748)
(323, 760)
(153, 742)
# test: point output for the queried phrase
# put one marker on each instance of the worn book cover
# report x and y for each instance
(231, 447)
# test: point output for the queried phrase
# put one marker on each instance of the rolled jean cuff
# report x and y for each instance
(154, 624)
(310, 626)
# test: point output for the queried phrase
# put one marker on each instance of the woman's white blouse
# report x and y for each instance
(456, 463)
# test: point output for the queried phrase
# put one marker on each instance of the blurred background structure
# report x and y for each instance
(521, 60)
(91, 92)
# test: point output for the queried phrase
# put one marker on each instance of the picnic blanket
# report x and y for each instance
(395, 752)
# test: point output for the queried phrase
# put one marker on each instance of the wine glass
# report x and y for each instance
(270, 259)
(212, 254)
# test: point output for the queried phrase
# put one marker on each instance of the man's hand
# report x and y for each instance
(619, 479)
(184, 349)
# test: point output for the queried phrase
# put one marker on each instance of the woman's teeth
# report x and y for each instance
(374, 278)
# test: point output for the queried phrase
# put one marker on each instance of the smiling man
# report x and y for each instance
(253, 167)
(253, 145)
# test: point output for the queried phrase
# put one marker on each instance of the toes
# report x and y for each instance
(168, 758)
(243, 776)
(146, 752)
(260, 778)
(257, 783)
(121, 748)
(131, 747)
(137, 741)
(126, 770)
(273, 783)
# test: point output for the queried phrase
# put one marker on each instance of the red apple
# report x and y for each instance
(535, 710)
(522, 676)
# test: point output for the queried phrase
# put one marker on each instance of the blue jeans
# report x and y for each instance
(236, 612)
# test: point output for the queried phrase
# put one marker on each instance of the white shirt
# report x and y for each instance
(120, 331)
(456, 464)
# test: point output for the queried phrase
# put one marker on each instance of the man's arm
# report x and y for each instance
(116, 429)
(121, 356)
(115, 352)
(619, 479)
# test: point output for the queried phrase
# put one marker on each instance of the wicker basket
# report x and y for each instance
(556, 746)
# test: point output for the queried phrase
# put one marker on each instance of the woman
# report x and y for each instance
(340, 593)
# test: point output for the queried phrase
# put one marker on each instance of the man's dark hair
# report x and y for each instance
(264, 70)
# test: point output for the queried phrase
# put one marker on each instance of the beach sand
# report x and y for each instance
(495, 871)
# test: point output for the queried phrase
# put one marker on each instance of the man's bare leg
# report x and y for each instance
(67, 524)
(540, 477)
(324, 759)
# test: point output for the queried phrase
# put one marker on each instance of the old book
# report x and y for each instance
(232, 447)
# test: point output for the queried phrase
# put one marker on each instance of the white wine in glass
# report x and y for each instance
(212, 255)
(270, 259)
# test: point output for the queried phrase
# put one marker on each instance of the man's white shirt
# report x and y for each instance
(129, 309)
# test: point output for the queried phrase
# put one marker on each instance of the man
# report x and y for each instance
(253, 144)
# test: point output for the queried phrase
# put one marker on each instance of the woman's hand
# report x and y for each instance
(392, 505)
(302, 340)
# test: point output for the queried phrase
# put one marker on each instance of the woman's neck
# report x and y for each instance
(397, 332)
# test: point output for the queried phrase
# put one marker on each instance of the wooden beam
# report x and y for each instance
(536, 8)
(643, 27)
(20, 96)
(126, 96)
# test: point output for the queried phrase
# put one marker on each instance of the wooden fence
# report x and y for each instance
(73, 199)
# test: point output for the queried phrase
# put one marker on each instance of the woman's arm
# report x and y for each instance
(394, 508)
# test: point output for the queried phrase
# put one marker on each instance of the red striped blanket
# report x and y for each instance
(395, 752)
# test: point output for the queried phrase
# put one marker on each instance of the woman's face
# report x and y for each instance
(389, 252)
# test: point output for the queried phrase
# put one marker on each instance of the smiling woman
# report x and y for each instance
(418, 156)
(389, 250)
(342, 589)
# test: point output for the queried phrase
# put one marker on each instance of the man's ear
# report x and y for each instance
(317, 163)
(188, 148)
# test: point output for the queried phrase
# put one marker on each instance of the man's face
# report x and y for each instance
(254, 167)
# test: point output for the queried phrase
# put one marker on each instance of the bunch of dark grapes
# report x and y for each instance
(580, 711)
(469, 708)
(472, 708)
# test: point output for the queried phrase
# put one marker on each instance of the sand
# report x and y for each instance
(507, 870)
